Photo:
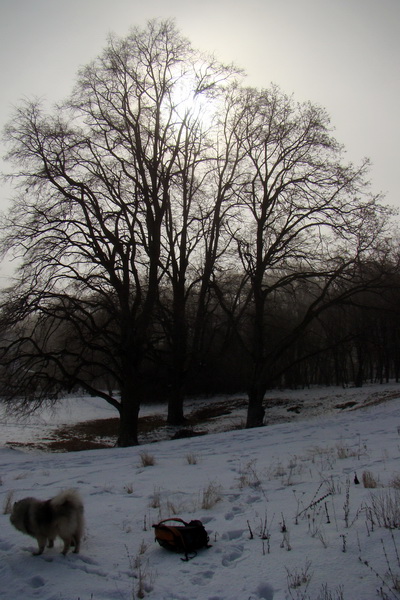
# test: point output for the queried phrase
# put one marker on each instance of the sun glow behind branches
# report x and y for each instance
(197, 92)
(193, 103)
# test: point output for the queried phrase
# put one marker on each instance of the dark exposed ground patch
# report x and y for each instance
(103, 433)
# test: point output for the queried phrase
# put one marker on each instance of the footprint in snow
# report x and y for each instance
(5, 546)
(234, 512)
(86, 559)
(206, 520)
(36, 582)
(87, 567)
(265, 591)
(234, 534)
(232, 556)
(202, 578)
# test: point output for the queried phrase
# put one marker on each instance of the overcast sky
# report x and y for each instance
(341, 54)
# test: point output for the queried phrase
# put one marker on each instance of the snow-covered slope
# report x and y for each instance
(285, 518)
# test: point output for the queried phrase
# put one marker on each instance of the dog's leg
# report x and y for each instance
(42, 545)
(77, 543)
(51, 543)
(67, 543)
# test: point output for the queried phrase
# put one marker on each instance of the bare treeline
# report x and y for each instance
(180, 233)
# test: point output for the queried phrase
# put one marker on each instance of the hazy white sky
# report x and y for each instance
(342, 54)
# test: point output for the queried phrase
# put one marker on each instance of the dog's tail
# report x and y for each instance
(67, 497)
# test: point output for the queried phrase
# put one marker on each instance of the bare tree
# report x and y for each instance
(96, 178)
(197, 235)
(305, 217)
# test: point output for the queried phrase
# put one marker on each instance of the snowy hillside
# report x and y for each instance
(285, 517)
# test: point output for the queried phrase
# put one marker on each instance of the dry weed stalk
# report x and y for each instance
(395, 482)
(326, 594)
(385, 507)
(211, 495)
(147, 460)
(191, 459)
(298, 577)
(248, 476)
(369, 480)
(140, 573)
(155, 501)
(8, 503)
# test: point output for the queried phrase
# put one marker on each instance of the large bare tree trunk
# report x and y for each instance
(128, 423)
(255, 409)
(175, 407)
(129, 410)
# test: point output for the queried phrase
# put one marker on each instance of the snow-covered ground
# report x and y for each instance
(285, 518)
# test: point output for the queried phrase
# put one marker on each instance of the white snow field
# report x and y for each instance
(285, 517)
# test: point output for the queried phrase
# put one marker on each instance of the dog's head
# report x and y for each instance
(19, 513)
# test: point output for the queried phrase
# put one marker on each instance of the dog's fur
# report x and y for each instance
(46, 519)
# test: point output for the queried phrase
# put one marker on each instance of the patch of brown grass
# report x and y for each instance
(215, 410)
(103, 433)
(90, 435)
(74, 444)
(87, 435)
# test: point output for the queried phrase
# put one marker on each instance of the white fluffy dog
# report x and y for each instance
(46, 519)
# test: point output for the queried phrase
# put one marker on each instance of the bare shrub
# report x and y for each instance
(276, 471)
(324, 458)
(191, 459)
(155, 500)
(385, 507)
(285, 543)
(248, 476)
(288, 473)
(147, 460)
(344, 451)
(391, 573)
(299, 577)
(141, 573)
(142, 550)
(211, 495)
(173, 508)
(326, 594)
(395, 482)
(369, 480)
(333, 485)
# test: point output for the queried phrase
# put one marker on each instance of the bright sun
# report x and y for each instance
(190, 103)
